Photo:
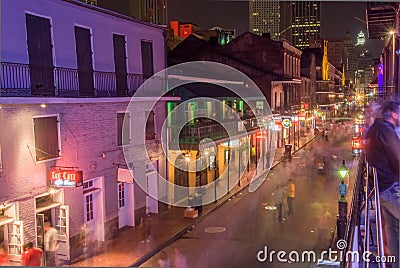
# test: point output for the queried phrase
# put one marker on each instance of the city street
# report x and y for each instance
(232, 235)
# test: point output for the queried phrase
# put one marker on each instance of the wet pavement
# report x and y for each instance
(241, 223)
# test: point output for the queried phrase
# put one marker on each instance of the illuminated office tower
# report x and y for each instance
(264, 17)
(300, 21)
(154, 11)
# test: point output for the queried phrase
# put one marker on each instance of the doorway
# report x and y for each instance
(93, 204)
(126, 208)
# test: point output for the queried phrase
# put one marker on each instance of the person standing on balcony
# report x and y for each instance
(383, 153)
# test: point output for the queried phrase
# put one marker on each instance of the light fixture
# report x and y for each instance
(52, 190)
(43, 105)
(343, 171)
(187, 157)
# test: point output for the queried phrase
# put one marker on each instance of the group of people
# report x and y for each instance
(31, 255)
(284, 195)
(383, 153)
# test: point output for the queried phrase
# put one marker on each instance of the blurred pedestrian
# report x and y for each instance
(278, 196)
(371, 112)
(383, 153)
(50, 243)
(3, 254)
(145, 230)
(163, 260)
(290, 196)
(31, 256)
(180, 259)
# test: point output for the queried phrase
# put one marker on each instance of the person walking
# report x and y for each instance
(279, 198)
(31, 256)
(290, 196)
(50, 243)
(383, 153)
(180, 259)
(145, 229)
(163, 260)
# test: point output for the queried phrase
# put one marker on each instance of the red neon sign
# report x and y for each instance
(356, 143)
(66, 177)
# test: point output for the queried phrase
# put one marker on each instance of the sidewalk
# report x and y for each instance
(126, 249)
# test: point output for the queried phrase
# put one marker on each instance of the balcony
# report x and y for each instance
(191, 134)
(21, 80)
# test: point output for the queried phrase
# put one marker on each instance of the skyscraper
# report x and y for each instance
(154, 11)
(296, 21)
(264, 17)
(300, 21)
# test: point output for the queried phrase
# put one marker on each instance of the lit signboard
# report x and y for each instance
(66, 177)
(286, 123)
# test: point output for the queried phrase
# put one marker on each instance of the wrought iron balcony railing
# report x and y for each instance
(19, 79)
(194, 133)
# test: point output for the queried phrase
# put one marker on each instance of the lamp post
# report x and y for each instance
(342, 202)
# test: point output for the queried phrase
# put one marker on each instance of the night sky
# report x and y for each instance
(336, 17)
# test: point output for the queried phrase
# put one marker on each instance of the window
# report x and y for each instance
(150, 131)
(89, 207)
(147, 58)
(123, 128)
(46, 138)
(121, 195)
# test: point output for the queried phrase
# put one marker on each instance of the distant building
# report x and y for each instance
(335, 50)
(264, 17)
(300, 21)
(181, 30)
(154, 11)
(383, 22)
(350, 57)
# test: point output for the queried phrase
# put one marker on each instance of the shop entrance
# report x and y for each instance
(11, 231)
(49, 208)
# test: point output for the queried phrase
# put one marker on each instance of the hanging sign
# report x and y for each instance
(66, 177)
(286, 123)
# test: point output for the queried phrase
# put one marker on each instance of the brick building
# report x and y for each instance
(68, 71)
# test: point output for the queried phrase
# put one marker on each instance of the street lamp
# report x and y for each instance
(342, 202)
(343, 171)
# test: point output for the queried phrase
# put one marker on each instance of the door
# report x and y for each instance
(40, 55)
(40, 234)
(120, 64)
(121, 205)
(94, 209)
(181, 178)
(84, 61)
(15, 240)
(63, 250)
